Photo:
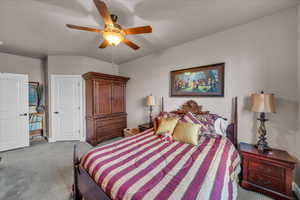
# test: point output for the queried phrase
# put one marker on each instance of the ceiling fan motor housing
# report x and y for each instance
(114, 18)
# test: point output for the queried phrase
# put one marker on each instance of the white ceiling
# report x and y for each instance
(36, 28)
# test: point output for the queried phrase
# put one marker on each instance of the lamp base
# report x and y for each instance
(262, 144)
(150, 116)
(263, 148)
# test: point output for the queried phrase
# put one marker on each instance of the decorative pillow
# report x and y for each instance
(157, 119)
(166, 125)
(187, 132)
(220, 126)
(189, 117)
(208, 122)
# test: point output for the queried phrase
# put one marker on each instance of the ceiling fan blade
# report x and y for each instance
(102, 8)
(103, 44)
(131, 44)
(83, 28)
(138, 30)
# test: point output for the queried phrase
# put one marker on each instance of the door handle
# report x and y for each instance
(24, 114)
(56, 112)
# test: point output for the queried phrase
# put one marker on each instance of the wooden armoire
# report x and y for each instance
(106, 115)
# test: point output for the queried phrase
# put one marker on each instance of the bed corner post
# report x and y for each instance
(162, 109)
(235, 120)
(76, 193)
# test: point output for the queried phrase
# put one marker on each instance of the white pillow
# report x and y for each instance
(221, 126)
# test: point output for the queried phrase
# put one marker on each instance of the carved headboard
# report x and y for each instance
(190, 106)
(193, 107)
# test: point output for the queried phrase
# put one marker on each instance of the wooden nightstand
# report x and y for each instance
(269, 173)
(145, 126)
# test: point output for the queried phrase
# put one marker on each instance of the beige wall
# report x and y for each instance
(77, 65)
(22, 65)
(74, 65)
(261, 55)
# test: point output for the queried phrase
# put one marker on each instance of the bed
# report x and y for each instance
(146, 167)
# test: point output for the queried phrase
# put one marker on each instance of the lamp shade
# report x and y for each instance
(150, 100)
(263, 103)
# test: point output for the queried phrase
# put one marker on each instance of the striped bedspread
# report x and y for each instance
(146, 167)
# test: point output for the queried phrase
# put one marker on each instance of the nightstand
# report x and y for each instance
(268, 173)
(145, 126)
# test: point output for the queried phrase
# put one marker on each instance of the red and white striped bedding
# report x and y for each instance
(145, 167)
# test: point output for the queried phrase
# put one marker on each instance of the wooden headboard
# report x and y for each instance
(190, 106)
(195, 108)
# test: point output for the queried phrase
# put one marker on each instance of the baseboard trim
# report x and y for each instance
(50, 139)
(296, 189)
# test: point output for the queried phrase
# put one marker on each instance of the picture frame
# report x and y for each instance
(203, 81)
(32, 95)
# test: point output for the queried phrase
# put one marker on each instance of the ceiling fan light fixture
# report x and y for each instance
(113, 35)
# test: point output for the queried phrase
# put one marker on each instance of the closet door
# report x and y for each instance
(118, 97)
(66, 107)
(14, 128)
(102, 97)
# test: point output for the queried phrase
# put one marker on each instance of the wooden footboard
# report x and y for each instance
(84, 186)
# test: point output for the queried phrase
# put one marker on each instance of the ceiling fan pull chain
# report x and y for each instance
(112, 58)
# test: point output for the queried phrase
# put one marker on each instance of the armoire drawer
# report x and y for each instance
(104, 133)
(111, 121)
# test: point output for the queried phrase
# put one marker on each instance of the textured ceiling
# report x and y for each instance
(36, 28)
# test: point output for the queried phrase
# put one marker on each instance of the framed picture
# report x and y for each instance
(33, 97)
(205, 81)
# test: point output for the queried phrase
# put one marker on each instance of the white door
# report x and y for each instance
(14, 127)
(66, 107)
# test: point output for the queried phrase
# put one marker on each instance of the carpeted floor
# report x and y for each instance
(44, 172)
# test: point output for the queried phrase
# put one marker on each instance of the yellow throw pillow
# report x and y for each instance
(166, 125)
(187, 132)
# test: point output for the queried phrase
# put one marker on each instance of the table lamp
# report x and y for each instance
(150, 101)
(262, 103)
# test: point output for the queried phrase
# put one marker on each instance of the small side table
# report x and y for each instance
(268, 173)
(128, 132)
(145, 126)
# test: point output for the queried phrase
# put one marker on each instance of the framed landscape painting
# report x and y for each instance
(33, 93)
(205, 81)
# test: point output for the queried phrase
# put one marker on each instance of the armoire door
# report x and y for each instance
(14, 127)
(118, 97)
(102, 97)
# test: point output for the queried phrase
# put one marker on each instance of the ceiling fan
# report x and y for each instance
(113, 33)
